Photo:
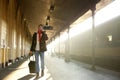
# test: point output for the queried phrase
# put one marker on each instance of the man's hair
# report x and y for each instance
(40, 25)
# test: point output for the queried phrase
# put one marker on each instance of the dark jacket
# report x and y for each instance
(42, 42)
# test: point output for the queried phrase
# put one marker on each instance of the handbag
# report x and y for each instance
(31, 66)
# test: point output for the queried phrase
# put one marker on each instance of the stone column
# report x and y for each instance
(0, 32)
(93, 8)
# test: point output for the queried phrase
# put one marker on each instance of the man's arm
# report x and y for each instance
(33, 42)
(46, 37)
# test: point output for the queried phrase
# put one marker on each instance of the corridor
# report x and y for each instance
(82, 39)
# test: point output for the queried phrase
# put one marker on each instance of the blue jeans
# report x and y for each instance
(37, 59)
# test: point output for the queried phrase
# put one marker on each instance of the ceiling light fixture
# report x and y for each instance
(52, 7)
(48, 18)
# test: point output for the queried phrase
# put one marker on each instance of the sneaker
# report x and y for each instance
(42, 73)
(37, 76)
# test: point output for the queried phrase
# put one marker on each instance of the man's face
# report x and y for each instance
(40, 27)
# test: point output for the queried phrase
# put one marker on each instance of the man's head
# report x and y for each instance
(40, 26)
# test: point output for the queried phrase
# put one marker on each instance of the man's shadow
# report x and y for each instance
(27, 77)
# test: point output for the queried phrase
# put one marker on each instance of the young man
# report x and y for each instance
(38, 47)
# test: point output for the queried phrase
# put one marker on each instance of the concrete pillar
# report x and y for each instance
(67, 54)
(22, 37)
(18, 33)
(0, 31)
(3, 57)
(10, 32)
(93, 8)
(59, 45)
(15, 30)
(52, 47)
(4, 32)
(7, 32)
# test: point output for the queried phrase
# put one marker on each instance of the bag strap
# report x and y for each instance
(33, 57)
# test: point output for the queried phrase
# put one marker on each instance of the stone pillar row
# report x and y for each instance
(14, 34)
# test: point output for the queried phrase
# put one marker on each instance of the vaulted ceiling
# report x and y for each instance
(64, 13)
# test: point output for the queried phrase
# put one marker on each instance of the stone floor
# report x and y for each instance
(58, 69)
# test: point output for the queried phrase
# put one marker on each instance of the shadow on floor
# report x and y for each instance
(27, 77)
(6, 71)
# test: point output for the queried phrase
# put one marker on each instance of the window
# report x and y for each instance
(109, 38)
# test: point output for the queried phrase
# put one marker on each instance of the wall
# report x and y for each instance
(14, 33)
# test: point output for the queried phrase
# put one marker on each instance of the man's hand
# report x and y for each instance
(30, 53)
